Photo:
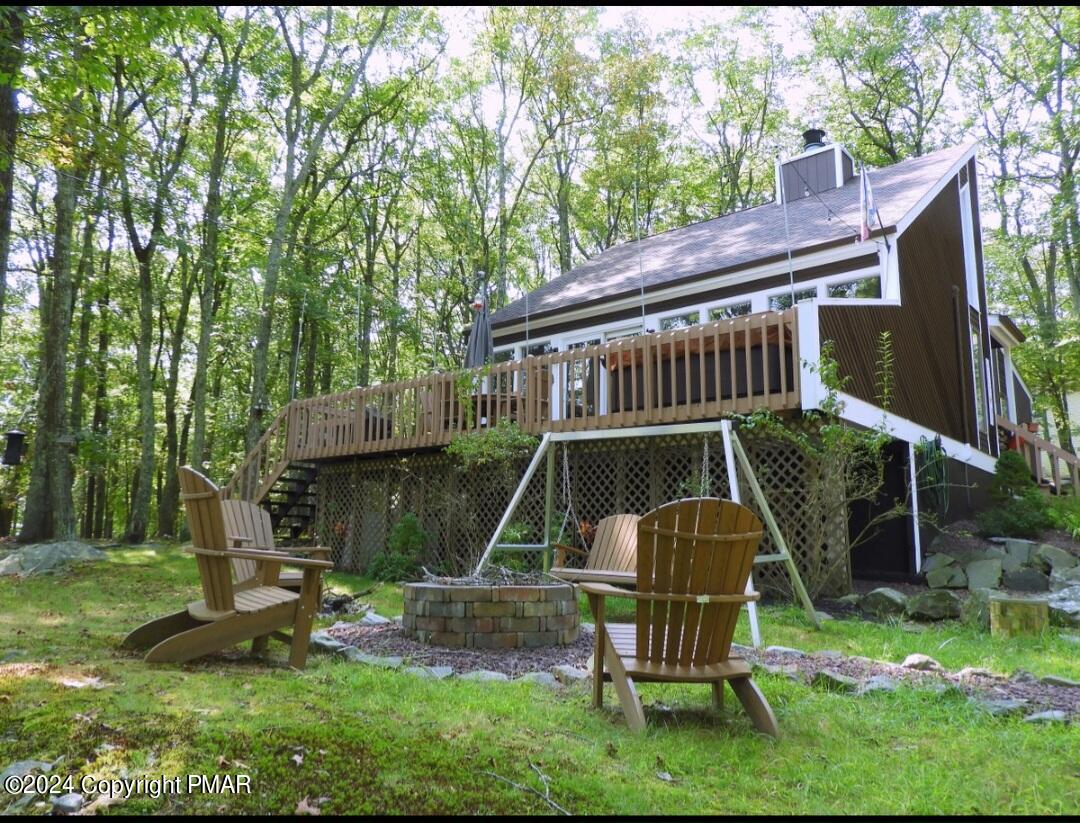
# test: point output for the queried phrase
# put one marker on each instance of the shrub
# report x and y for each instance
(1020, 509)
(1064, 513)
(401, 560)
(504, 443)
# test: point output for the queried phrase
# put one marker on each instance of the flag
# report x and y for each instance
(866, 204)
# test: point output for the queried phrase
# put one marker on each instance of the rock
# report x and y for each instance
(1023, 676)
(972, 673)
(372, 619)
(834, 681)
(789, 670)
(1061, 682)
(933, 605)
(543, 678)
(484, 676)
(1051, 557)
(883, 601)
(322, 642)
(1064, 578)
(432, 672)
(922, 663)
(356, 656)
(1026, 580)
(588, 627)
(23, 767)
(1020, 550)
(68, 803)
(937, 561)
(1000, 707)
(824, 616)
(940, 689)
(1047, 717)
(42, 558)
(785, 651)
(829, 654)
(1011, 563)
(946, 577)
(849, 599)
(569, 675)
(1065, 607)
(878, 683)
(975, 610)
(983, 574)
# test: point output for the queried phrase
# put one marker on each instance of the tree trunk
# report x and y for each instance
(140, 504)
(169, 502)
(11, 44)
(49, 511)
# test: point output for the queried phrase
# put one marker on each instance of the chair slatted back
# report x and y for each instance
(695, 546)
(202, 502)
(614, 546)
(246, 519)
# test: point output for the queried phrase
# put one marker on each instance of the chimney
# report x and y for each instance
(821, 166)
(813, 139)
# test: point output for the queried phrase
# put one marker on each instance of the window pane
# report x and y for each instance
(729, 311)
(867, 287)
(536, 349)
(780, 302)
(615, 335)
(680, 321)
(503, 356)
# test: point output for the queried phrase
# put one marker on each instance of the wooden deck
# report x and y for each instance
(698, 373)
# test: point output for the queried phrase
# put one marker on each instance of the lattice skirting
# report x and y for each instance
(359, 502)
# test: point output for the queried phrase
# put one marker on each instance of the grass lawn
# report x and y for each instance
(352, 738)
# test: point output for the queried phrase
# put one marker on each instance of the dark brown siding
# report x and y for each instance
(817, 172)
(932, 354)
(604, 318)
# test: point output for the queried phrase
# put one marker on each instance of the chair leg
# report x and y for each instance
(596, 605)
(306, 607)
(718, 695)
(624, 688)
(259, 645)
(755, 704)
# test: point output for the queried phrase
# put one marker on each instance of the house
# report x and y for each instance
(719, 317)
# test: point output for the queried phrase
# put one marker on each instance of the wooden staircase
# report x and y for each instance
(269, 477)
(291, 500)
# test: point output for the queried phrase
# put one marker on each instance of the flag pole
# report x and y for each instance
(787, 230)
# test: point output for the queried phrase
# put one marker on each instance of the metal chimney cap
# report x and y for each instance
(813, 138)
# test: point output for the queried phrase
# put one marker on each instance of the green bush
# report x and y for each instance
(1064, 513)
(504, 444)
(1020, 509)
(401, 560)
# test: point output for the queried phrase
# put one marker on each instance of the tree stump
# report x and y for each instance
(1018, 616)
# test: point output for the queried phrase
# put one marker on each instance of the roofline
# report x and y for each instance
(935, 190)
(1005, 325)
(632, 297)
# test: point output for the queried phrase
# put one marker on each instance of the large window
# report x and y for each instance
(782, 301)
(679, 321)
(730, 310)
(977, 372)
(864, 288)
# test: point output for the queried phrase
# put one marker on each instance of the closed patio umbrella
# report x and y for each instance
(480, 349)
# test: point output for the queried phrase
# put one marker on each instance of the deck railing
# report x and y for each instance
(263, 465)
(1035, 448)
(695, 373)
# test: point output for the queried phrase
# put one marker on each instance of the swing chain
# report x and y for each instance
(569, 496)
(706, 476)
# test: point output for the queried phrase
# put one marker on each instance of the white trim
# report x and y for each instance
(1000, 332)
(837, 254)
(866, 414)
(924, 201)
(839, 158)
(810, 387)
(915, 507)
(736, 495)
(1010, 386)
(856, 301)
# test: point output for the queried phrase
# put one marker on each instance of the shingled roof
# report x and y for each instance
(736, 240)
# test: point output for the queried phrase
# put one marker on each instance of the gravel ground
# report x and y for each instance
(389, 640)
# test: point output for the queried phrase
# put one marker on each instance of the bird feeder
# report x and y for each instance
(13, 448)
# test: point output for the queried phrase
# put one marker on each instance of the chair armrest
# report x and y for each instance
(302, 549)
(240, 538)
(604, 590)
(266, 556)
(560, 547)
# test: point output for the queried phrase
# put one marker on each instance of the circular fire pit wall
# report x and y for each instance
(491, 617)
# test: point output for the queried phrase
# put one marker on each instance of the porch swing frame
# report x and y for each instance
(735, 458)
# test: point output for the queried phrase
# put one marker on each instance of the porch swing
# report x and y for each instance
(736, 460)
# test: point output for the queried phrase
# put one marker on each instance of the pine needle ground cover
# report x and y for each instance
(345, 737)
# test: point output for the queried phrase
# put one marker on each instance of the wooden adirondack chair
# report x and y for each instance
(612, 559)
(248, 526)
(227, 615)
(694, 557)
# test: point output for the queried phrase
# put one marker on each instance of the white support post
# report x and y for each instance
(809, 355)
(915, 507)
(733, 486)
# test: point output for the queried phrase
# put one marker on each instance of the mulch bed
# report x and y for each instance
(390, 640)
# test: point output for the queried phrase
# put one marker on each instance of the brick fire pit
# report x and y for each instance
(492, 616)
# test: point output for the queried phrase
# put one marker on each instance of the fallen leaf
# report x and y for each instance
(298, 759)
(222, 762)
(305, 807)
